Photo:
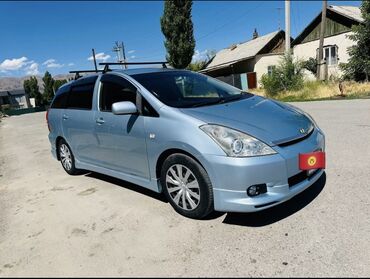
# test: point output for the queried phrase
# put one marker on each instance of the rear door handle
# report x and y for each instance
(65, 116)
(100, 121)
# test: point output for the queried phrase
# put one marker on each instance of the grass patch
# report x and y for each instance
(318, 90)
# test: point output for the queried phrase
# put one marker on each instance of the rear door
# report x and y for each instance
(78, 119)
(121, 138)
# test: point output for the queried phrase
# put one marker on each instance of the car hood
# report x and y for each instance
(268, 120)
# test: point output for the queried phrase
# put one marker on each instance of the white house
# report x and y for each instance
(243, 64)
(339, 21)
(16, 99)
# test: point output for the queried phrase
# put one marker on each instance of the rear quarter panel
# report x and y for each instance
(55, 124)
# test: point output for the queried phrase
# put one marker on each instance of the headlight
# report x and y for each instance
(235, 143)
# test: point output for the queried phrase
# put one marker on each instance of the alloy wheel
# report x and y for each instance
(65, 156)
(183, 187)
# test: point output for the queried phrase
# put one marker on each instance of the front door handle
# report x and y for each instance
(100, 121)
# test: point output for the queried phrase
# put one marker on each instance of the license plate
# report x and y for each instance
(312, 161)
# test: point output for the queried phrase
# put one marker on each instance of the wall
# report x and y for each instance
(306, 50)
(263, 61)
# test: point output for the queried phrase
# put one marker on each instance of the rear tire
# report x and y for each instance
(66, 158)
(187, 186)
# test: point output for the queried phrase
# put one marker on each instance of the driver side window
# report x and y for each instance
(115, 89)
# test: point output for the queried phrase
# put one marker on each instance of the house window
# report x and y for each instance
(270, 69)
(330, 54)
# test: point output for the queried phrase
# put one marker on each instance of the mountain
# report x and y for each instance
(11, 83)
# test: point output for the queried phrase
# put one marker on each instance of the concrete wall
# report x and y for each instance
(263, 61)
(307, 50)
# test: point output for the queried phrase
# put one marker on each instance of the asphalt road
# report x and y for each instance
(52, 224)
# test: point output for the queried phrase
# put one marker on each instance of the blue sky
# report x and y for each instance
(58, 36)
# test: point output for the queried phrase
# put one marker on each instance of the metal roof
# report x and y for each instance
(353, 13)
(348, 11)
(242, 51)
(15, 92)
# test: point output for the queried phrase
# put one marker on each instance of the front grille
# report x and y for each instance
(299, 177)
(287, 143)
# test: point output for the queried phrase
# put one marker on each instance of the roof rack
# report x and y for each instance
(77, 73)
(106, 67)
(107, 64)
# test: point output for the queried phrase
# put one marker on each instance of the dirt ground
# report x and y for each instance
(53, 224)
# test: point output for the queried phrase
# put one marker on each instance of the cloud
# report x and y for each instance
(32, 69)
(13, 64)
(52, 63)
(201, 55)
(131, 51)
(132, 56)
(49, 61)
(71, 64)
(100, 56)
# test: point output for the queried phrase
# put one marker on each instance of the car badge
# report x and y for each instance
(302, 131)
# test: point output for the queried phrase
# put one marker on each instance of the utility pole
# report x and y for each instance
(287, 27)
(93, 52)
(121, 55)
(320, 64)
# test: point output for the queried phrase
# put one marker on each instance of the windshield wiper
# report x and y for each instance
(217, 101)
(220, 100)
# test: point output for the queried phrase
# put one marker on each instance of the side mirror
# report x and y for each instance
(124, 108)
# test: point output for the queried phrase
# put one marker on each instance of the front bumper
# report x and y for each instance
(231, 177)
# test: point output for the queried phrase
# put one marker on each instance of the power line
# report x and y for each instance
(279, 17)
(228, 22)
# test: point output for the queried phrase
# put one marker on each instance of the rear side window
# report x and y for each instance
(61, 98)
(81, 97)
(115, 89)
(60, 101)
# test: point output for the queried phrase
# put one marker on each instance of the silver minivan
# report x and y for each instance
(203, 143)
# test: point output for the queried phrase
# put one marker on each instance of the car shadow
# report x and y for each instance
(278, 212)
(255, 219)
(127, 185)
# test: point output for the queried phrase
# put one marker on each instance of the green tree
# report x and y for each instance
(58, 83)
(48, 87)
(177, 27)
(198, 65)
(358, 66)
(286, 76)
(31, 87)
(311, 65)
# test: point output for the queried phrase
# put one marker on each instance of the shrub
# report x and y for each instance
(310, 65)
(286, 76)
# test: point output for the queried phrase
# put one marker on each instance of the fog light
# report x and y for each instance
(256, 190)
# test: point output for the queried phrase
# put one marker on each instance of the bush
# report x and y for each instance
(286, 76)
(310, 65)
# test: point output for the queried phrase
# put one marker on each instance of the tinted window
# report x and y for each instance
(61, 97)
(187, 89)
(115, 89)
(81, 97)
(60, 101)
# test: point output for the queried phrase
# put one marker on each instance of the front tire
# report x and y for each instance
(66, 158)
(187, 186)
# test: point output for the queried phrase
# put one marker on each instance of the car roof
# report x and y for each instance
(89, 78)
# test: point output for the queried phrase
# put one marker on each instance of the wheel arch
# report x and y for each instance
(57, 140)
(165, 154)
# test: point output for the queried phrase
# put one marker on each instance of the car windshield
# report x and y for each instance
(184, 89)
